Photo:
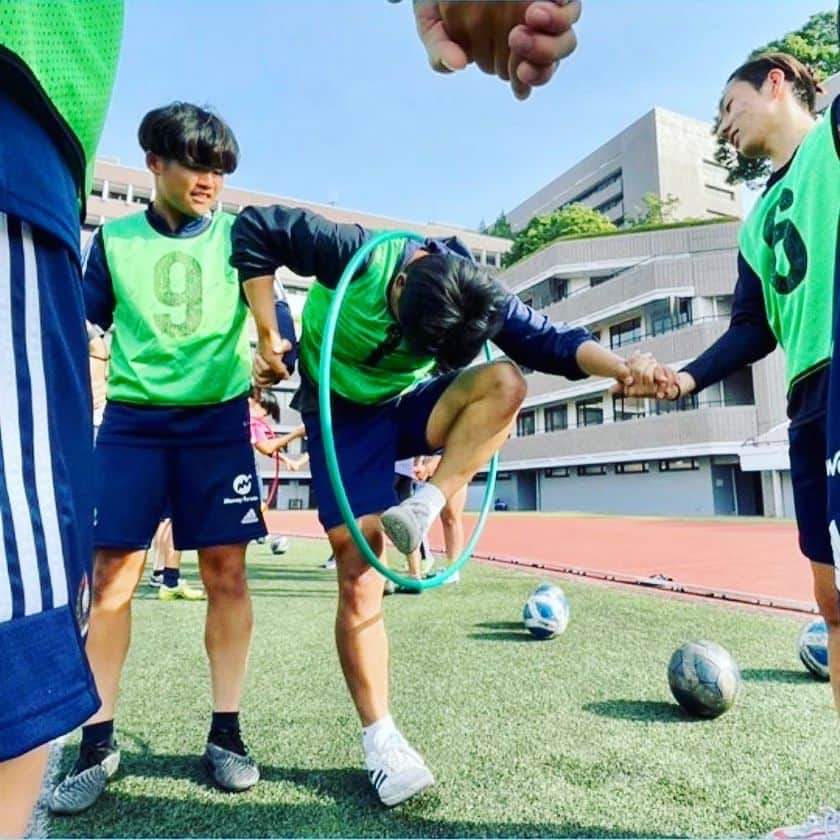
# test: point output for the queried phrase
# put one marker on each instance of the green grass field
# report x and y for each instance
(577, 736)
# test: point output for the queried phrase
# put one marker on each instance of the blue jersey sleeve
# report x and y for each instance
(748, 338)
(266, 238)
(530, 339)
(97, 286)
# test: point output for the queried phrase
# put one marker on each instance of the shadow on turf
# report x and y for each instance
(351, 809)
(641, 710)
(778, 675)
(502, 631)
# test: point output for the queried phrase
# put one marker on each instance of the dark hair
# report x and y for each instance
(193, 136)
(805, 86)
(268, 400)
(448, 309)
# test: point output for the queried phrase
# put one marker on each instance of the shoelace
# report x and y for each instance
(826, 819)
(831, 819)
(394, 753)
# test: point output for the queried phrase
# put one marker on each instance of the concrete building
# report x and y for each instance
(661, 153)
(121, 190)
(578, 448)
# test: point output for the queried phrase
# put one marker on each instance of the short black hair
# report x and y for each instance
(449, 308)
(193, 136)
(805, 86)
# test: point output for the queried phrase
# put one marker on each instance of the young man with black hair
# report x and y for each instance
(175, 431)
(412, 307)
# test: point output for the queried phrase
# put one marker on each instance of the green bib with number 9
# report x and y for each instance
(179, 317)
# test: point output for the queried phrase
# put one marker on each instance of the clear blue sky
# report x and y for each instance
(332, 100)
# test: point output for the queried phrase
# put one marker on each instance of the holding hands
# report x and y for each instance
(267, 366)
(648, 378)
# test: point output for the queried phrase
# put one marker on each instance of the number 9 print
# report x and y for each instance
(178, 283)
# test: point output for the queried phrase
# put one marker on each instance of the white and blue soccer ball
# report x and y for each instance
(546, 611)
(279, 544)
(813, 648)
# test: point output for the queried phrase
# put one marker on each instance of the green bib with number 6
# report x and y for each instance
(790, 241)
(179, 316)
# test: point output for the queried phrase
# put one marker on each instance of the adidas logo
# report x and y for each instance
(250, 518)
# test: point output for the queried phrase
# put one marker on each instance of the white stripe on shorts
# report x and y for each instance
(11, 443)
(5, 379)
(44, 479)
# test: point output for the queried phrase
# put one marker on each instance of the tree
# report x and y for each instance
(657, 211)
(566, 223)
(815, 45)
(501, 227)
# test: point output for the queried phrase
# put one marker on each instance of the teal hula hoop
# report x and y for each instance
(325, 416)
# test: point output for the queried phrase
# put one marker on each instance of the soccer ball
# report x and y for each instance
(704, 678)
(546, 611)
(813, 648)
(279, 545)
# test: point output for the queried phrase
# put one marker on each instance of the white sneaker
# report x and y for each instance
(822, 826)
(395, 769)
(405, 524)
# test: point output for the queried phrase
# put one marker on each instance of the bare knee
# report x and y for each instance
(507, 384)
(828, 598)
(223, 572)
(115, 574)
(360, 586)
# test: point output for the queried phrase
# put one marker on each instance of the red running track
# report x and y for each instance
(751, 560)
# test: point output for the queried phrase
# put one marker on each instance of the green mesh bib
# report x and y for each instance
(179, 319)
(66, 51)
(790, 241)
(370, 363)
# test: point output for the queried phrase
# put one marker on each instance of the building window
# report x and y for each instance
(556, 418)
(118, 192)
(608, 205)
(493, 259)
(592, 469)
(590, 412)
(664, 317)
(556, 472)
(628, 408)
(559, 288)
(627, 332)
(631, 468)
(679, 465)
(525, 424)
(721, 191)
(602, 278)
(609, 180)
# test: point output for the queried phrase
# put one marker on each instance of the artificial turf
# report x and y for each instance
(576, 736)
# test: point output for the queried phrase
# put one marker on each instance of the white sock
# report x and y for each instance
(431, 497)
(384, 724)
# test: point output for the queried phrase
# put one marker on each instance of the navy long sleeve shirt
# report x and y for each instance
(265, 238)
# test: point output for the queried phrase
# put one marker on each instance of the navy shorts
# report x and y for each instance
(210, 491)
(368, 439)
(46, 500)
(810, 489)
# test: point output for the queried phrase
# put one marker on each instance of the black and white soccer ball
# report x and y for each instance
(704, 678)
